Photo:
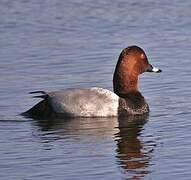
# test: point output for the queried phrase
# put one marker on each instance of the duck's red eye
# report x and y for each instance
(142, 56)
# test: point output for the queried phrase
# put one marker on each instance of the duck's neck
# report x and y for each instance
(124, 84)
(131, 100)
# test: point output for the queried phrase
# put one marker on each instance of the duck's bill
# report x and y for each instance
(153, 69)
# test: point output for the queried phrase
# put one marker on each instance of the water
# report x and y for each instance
(52, 45)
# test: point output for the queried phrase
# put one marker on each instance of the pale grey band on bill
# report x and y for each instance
(156, 69)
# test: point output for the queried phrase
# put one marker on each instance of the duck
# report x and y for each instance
(125, 100)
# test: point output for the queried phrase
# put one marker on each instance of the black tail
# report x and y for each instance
(44, 94)
(35, 92)
(41, 109)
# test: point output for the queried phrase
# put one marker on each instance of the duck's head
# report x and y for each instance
(131, 63)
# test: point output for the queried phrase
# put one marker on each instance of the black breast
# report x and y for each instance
(132, 103)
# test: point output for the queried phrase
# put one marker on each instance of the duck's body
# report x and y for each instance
(90, 102)
(99, 102)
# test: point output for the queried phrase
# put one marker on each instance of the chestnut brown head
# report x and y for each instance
(131, 63)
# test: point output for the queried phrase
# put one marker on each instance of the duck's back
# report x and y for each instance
(92, 102)
(85, 102)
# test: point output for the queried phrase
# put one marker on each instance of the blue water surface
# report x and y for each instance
(52, 45)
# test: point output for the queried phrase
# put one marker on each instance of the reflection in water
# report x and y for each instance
(133, 157)
(130, 148)
(98, 128)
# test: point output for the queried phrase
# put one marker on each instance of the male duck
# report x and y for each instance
(99, 102)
